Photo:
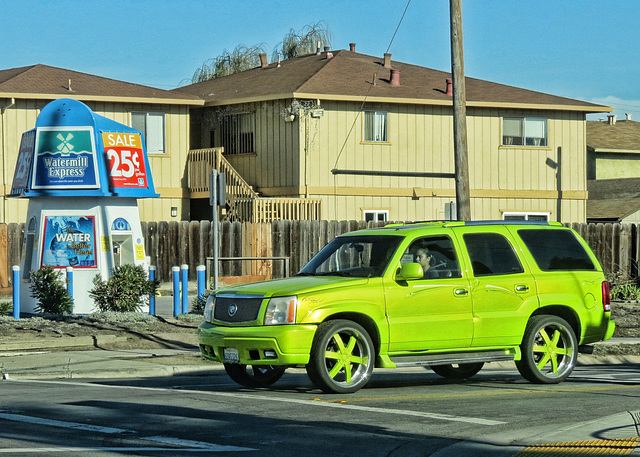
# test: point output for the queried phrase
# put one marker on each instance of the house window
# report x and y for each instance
(152, 127)
(237, 133)
(376, 126)
(518, 216)
(376, 215)
(524, 131)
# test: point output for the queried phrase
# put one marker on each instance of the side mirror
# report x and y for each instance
(410, 271)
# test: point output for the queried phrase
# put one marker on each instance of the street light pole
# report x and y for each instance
(463, 204)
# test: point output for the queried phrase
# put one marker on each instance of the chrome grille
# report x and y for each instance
(237, 308)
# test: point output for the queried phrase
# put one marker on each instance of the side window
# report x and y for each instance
(376, 127)
(491, 254)
(556, 250)
(437, 256)
(152, 127)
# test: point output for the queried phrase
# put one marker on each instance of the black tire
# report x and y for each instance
(254, 375)
(549, 350)
(342, 357)
(458, 371)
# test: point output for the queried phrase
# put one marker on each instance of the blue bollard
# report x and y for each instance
(202, 281)
(70, 282)
(176, 291)
(185, 288)
(16, 292)
(152, 297)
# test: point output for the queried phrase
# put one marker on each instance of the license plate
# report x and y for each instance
(231, 355)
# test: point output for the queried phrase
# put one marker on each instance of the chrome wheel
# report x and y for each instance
(254, 375)
(458, 371)
(549, 350)
(342, 357)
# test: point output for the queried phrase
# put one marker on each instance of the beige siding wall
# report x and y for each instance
(502, 179)
(168, 170)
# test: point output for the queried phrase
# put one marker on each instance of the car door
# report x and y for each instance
(433, 312)
(503, 291)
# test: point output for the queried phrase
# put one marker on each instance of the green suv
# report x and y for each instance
(449, 295)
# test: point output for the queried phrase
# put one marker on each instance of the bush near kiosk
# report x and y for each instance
(48, 287)
(125, 291)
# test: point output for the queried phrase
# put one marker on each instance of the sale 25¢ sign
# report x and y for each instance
(126, 159)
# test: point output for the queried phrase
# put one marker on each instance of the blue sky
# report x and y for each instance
(582, 49)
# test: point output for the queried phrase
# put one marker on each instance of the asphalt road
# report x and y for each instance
(410, 412)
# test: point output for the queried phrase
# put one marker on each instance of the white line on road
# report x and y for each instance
(182, 445)
(401, 412)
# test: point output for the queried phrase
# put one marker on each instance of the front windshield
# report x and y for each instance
(354, 256)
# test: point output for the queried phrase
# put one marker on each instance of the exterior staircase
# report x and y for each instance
(243, 203)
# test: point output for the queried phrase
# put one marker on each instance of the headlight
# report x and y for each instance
(281, 310)
(208, 308)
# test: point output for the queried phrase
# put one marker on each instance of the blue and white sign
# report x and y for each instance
(65, 158)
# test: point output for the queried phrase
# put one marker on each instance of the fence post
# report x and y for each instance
(152, 297)
(176, 290)
(185, 288)
(202, 281)
(16, 292)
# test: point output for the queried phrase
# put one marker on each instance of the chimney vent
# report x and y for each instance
(387, 60)
(395, 77)
(627, 116)
(352, 47)
(264, 63)
(449, 90)
(611, 118)
(319, 48)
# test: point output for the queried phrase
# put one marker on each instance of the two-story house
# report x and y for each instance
(371, 138)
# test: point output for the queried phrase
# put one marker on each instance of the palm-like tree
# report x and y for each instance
(244, 58)
(304, 41)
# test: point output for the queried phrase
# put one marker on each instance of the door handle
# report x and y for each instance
(460, 292)
(522, 288)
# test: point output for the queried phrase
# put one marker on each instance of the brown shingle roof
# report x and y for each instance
(43, 81)
(613, 198)
(349, 75)
(621, 136)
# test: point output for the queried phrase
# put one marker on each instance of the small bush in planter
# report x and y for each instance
(48, 286)
(125, 291)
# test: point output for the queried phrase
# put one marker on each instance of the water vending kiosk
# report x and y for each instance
(83, 174)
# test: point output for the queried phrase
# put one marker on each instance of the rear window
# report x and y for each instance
(556, 250)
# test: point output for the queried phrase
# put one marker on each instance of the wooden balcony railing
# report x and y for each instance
(244, 204)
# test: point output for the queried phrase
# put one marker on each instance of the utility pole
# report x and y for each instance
(463, 204)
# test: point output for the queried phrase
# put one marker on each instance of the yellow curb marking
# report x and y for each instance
(622, 446)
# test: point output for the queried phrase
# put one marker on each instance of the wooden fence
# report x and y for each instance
(173, 243)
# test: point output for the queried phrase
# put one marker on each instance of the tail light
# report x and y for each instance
(606, 296)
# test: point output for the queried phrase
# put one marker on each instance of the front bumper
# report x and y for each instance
(260, 345)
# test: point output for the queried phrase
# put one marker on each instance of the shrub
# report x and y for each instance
(48, 286)
(125, 291)
(6, 308)
(199, 303)
(625, 292)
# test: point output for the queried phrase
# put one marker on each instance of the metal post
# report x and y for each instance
(152, 297)
(176, 290)
(185, 288)
(70, 282)
(213, 190)
(16, 292)
(202, 281)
